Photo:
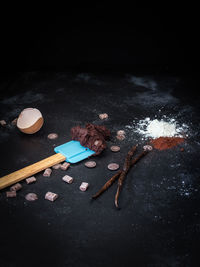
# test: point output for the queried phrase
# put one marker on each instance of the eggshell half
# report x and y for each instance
(30, 121)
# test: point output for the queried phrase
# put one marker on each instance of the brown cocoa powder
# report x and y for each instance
(163, 143)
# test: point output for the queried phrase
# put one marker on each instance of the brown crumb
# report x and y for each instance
(103, 116)
(52, 136)
(147, 148)
(121, 132)
(16, 187)
(47, 172)
(57, 166)
(2, 122)
(30, 180)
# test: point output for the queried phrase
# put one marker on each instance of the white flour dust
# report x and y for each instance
(157, 128)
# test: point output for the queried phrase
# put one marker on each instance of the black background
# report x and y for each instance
(42, 54)
(102, 37)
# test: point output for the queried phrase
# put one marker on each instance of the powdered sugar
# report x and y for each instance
(167, 127)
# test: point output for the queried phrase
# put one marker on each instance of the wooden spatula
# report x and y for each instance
(71, 152)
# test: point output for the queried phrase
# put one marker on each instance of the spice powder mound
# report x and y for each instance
(163, 143)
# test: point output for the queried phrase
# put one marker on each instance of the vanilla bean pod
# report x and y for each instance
(112, 179)
(121, 178)
(107, 184)
(126, 167)
(142, 154)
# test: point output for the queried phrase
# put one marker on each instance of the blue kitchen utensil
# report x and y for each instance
(71, 152)
(74, 151)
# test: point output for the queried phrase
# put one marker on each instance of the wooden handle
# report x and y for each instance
(30, 170)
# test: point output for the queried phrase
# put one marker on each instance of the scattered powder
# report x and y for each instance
(159, 128)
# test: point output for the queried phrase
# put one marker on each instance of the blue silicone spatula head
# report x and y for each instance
(74, 151)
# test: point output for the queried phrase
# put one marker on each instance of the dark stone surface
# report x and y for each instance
(159, 220)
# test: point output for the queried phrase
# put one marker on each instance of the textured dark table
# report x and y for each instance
(159, 220)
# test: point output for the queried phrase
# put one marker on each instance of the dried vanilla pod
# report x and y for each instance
(126, 167)
(114, 177)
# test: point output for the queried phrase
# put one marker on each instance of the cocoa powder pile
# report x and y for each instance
(163, 143)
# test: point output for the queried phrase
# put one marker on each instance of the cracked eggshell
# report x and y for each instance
(30, 121)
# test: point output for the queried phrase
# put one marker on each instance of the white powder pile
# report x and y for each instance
(157, 128)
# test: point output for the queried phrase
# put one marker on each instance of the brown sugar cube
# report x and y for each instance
(103, 116)
(30, 180)
(84, 186)
(65, 166)
(15, 187)
(51, 196)
(2, 122)
(68, 179)
(57, 166)
(47, 172)
(11, 194)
